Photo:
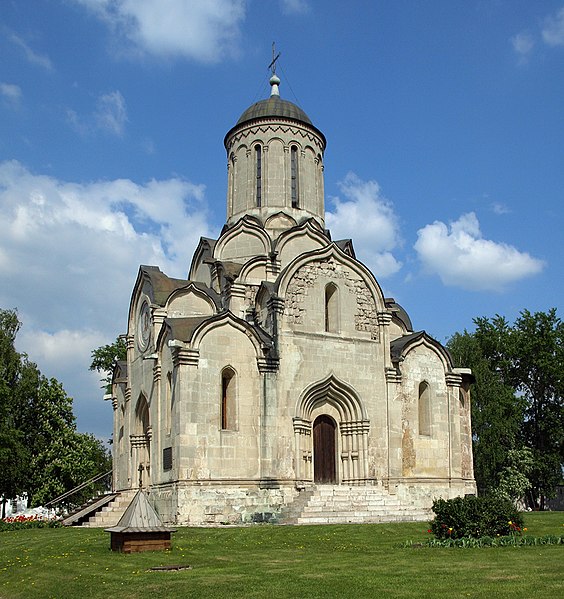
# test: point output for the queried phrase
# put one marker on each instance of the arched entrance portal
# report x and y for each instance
(140, 464)
(329, 418)
(324, 463)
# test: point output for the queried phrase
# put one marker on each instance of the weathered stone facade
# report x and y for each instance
(278, 363)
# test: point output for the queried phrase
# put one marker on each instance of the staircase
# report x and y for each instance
(101, 512)
(111, 513)
(339, 504)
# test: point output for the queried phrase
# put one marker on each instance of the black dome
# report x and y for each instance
(274, 107)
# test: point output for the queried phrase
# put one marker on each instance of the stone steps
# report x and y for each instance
(336, 504)
(110, 514)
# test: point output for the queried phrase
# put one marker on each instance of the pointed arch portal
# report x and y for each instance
(140, 441)
(331, 434)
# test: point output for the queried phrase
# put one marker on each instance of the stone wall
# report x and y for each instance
(186, 504)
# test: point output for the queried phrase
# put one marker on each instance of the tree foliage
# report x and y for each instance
(106, 357)
(517, 402)
(41, 452)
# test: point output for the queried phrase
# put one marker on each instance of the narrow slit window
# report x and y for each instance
(228, 399)
(331, 308)
(424, 409)
(294, 176)
(258, 155)
(168, 400)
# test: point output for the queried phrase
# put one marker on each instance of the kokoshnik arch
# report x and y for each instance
(278, 364)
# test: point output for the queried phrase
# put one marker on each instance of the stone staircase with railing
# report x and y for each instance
(111, 513)
(340, 504)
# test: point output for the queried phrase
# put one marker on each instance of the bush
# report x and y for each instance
(510, 541)
(475, 517)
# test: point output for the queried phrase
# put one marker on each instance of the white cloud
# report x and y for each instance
(523, 44)
(69, 255)
(11, 93)
(110, 116)
(111, 113)
(66, 356)
(462, 258)
(499, 208)
(295, 6)
(553, 30)
(202, 30)
(32, 57)
(369, 218)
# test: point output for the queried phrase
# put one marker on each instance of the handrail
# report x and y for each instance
(78, 488)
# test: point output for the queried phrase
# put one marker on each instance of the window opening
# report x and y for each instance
(331, 308)
(294, 175)
(168, 400)
(424, 408)
(227, 399)
(258, 154)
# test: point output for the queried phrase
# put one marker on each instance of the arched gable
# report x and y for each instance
(328, 253)
(278, 223)
(143, 287)
(261, 343)
(201, 262)
(151, 290)
(299, 240)
(340, 395)
(190, 301)
(254, 271)
(243, 241)
(400, 348)
(303, 284)
(153, 285)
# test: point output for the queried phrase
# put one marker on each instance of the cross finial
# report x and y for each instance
(275, 57)
(274, 80)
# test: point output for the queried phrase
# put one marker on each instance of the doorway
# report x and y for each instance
(324, 450)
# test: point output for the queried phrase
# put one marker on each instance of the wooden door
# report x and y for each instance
(324, 465)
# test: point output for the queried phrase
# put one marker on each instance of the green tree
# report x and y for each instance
(14, 460)
(497, 414)
(49, 435)
(105, 358)
(14, 454)
(70, 461)
(514, 482)
(41, 453)
(536, 366)
(10, 365)
(517, 405)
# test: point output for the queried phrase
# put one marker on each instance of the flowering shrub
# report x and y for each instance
(33, 521)
(475, 517)
(506, 541)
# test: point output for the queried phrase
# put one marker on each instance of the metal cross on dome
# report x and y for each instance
(275, 57)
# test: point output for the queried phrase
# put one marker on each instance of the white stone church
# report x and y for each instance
(276, 382)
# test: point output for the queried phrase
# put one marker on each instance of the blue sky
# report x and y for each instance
(445, 156)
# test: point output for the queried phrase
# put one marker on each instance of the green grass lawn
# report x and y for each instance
(279, 561)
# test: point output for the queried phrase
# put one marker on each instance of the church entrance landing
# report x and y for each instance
(324, 466)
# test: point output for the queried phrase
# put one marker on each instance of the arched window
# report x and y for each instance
(142, 424)
(228, 396)
(294, 176)
(331, 308)
(258, 161)
(168, 400)
(424, 409)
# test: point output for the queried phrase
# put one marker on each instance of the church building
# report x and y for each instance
(277, 374)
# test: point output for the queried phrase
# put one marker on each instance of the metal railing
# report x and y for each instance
(80, 487)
